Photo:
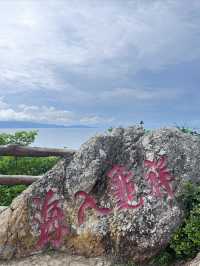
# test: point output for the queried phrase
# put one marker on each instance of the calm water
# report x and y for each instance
(60, 137)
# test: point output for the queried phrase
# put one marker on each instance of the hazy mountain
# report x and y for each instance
(21, 124)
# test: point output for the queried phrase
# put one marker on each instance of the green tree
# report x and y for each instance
(19, 137)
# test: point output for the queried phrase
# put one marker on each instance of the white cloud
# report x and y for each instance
(46, 114)
(38, 38)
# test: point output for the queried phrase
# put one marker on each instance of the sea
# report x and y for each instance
(59, 137)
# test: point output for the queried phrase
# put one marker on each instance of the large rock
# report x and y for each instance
(194, 262)
(56, 259)
(117, 197)
(190, 262)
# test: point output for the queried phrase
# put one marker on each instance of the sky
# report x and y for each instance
(100, 63)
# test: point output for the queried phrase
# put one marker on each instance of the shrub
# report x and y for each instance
(165, 258)
(188, 130)
(186, 241)
(8, 193)
(10, 165)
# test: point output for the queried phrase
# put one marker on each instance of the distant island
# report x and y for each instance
(24, 124)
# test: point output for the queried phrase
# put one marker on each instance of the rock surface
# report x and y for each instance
(56, 259)
(194, 262)
(117, 197)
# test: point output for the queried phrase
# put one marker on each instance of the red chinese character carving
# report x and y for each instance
(159, 176)
(50, 218)
(123, 187)
(89, 202)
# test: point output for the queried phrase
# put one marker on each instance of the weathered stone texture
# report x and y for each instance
(138, 230)
(194, 262)
(57, 259)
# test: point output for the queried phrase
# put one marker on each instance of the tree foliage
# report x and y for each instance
(19, 137)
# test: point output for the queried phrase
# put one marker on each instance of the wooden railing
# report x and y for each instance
(18, 179)
(22, 151)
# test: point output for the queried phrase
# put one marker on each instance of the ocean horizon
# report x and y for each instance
(59, 137)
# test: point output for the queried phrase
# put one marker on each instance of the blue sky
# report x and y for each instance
(100, 63)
